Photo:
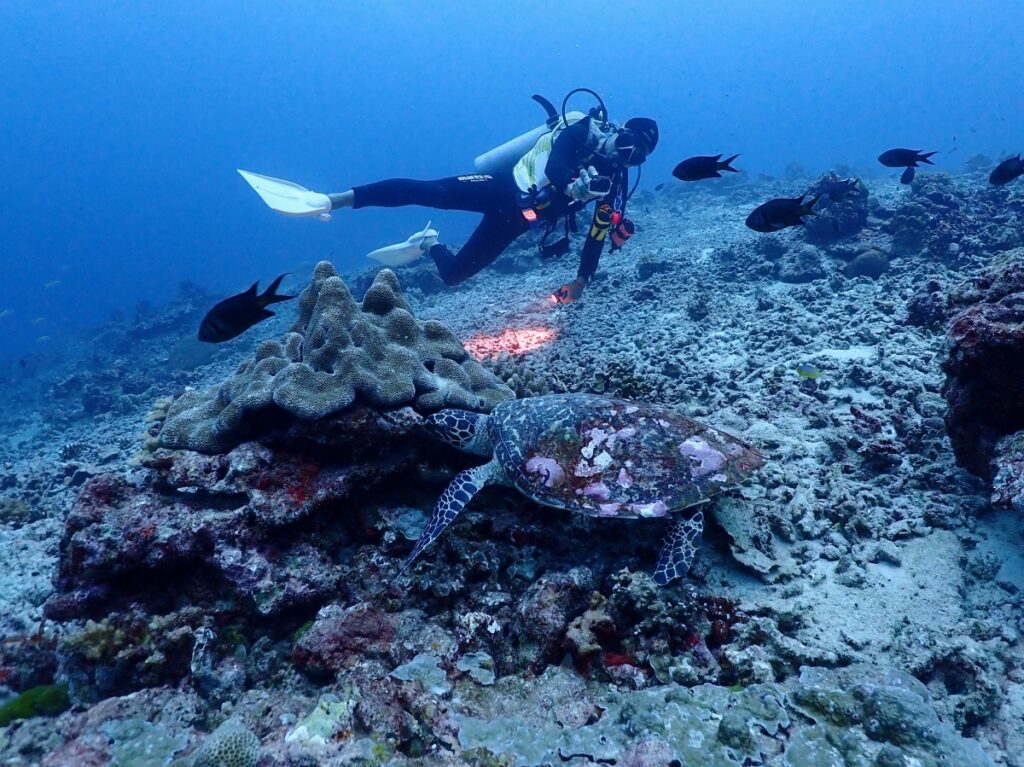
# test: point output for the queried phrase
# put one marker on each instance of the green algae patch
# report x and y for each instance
(45, 700)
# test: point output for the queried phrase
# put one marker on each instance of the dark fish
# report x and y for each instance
(699, 168)
(1007, 171)
(904, 158)
(233, 316)
(837, 189)
(659, 187)
(781, 213)
(907, 176)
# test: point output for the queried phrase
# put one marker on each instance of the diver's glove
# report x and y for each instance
(570, 291)
(589, 186)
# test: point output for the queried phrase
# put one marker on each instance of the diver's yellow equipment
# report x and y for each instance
(602, 223)
(529, 171)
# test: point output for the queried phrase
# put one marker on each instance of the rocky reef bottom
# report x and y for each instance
(857, 604)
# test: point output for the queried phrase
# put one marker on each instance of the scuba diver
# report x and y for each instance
(537, 180)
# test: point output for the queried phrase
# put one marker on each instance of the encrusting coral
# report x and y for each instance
(336, 353)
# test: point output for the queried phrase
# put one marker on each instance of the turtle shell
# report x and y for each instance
(615, 458)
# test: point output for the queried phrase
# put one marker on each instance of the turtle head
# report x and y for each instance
(462, 429)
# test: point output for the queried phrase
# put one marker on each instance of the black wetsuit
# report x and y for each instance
(497, 198)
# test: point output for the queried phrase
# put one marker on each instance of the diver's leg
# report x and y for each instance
(475, 193)
(342, 199)
(495, 233)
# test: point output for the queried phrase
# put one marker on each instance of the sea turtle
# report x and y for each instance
(594, 455)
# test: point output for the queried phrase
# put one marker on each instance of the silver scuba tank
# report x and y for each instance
(504, 157)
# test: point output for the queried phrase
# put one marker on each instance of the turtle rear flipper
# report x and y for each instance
(679, 549)
(458, 493)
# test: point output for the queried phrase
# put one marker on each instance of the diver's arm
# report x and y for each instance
(590, 257)
(615, 200)
(563, 163)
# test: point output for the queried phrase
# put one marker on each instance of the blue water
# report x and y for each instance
(122, 123)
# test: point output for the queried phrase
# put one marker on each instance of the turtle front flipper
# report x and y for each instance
(458, 493)
(679, 549)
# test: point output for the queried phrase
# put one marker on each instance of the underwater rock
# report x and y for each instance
(951, 226)
(1008, 464)
(341, 638)
(927, 307)
(122, 653)
(871, 263)
(648, 267)
(479, 666)
(545, 611)
(802, 263)
(856, 715)
(145, 729)
(337, 354)
(231, 524)
(909, 227)
(984, 390)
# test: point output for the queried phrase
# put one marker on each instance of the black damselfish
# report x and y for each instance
(838, 188)
(904, 158)
(702, 167)
(1006, 171)
(233, 316)
(781, 213)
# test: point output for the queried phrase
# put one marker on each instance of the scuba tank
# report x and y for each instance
(504, 157)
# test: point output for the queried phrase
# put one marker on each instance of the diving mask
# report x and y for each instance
(628, 149)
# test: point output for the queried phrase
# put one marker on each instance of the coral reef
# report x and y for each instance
(871, 263)
(1008, 462)
(948, 226)
(802, 263)
(256, 587)
(231, 524)
(984, 389)
(337, 353)
(836, 219)
(858, 715)
(230, 745)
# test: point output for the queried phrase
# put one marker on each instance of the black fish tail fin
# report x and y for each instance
(726, 164)
(807, 208)
(923, 157)
(270, 296)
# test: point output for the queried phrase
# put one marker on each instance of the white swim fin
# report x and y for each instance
(402, 253)
(289, 198)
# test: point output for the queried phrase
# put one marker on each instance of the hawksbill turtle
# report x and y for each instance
(598, 456)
